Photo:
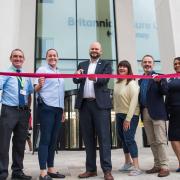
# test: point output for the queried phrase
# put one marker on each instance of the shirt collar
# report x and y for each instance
(14, 69)
(49, 67)
(150, 73)
(94, 62)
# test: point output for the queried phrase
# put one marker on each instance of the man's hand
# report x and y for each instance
(41, 81)
(79, 71)
(63, 117)
(92, 79)
(155, 78)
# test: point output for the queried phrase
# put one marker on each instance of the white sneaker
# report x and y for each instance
(126, 167)
(135, 172)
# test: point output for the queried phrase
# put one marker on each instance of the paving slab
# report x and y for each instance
(71, 163)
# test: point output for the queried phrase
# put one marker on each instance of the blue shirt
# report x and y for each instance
(52, 91)
(143, 92)
(9, 87)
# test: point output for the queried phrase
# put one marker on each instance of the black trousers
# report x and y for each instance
(12, 120)
(96, 121)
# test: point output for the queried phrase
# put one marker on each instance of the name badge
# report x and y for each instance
(23, 92)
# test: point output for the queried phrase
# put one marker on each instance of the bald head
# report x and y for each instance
(95, 51)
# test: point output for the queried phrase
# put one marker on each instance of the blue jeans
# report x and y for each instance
(50, 123)
(127, 137)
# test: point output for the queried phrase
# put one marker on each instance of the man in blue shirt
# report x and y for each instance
(15, 114)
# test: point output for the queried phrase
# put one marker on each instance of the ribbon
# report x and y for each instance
(111, 76)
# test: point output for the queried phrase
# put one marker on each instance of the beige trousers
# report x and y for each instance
(157, 139)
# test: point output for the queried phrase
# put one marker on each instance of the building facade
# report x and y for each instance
(126, 29)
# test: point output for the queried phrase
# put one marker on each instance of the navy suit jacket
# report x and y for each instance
(155, 99)
(102, 93)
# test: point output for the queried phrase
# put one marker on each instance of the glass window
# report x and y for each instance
(53, 30)
(95, 22)
(146, 31)
(57, 27)
(68, 67)
(46, 1)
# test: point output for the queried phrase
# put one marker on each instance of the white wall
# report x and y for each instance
(17, 30)
(126, 32)
(175, 17)
(168, 15)
(27, 32)
(9, 18)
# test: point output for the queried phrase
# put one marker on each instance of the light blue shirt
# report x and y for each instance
(9, 87)
(52, 91)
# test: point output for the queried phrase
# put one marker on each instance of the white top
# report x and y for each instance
(89, 85)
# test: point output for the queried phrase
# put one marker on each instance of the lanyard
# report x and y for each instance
(20, 79)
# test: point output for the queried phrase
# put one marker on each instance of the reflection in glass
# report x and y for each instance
(72, 121)
(95, 22)
(53, 30)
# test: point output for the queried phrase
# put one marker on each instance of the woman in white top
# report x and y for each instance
(126, 107)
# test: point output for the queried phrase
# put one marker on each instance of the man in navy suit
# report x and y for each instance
(154, 116)
(94, 104)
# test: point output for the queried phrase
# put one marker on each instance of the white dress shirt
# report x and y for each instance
(89, 84)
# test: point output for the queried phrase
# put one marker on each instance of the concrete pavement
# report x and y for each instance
(71, 163)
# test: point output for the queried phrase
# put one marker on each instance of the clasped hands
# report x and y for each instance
(80, 71)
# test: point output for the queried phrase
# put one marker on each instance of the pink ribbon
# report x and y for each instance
(111, 76)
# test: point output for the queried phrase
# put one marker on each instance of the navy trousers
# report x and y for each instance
(96, 121)
(50, 123)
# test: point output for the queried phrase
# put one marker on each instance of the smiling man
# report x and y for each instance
(15, 114)
(94, 104)
(154, 115)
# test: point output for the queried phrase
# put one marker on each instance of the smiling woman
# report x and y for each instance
(173, 104)
(126, 107)
(52, 58)
(50, 113)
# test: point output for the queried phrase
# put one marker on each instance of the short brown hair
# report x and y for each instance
(17, 49)
(176, 58)
(148, 55)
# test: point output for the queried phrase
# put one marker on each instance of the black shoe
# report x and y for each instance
(56, 175)
(46, 177)
(3, 175)
(20, 175)
(3, 178)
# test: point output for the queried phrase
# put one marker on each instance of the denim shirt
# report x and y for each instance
(143, 92)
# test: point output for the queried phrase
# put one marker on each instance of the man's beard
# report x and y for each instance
(94, 56)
